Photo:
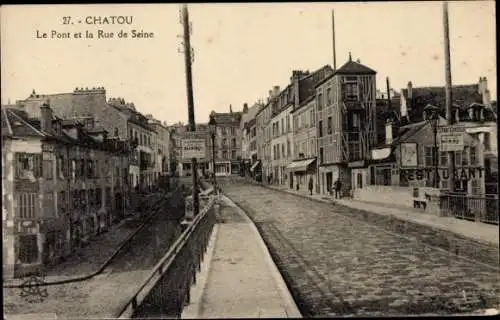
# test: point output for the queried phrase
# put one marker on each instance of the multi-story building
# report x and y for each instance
(264, 137)
(119, 118)
(142, 137)
(161, 143)
(346, 116)
(301, 88)
(249, 137)
(62, 182)
(305, 154)
(227, 143)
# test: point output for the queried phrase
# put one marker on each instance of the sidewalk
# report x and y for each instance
(238, 278)
(89, 260)
(482, 232)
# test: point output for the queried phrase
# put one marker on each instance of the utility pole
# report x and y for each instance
(333, 42)
(389, 102)
(188, 59)
(448, 95)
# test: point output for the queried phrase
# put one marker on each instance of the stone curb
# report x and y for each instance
(95, 273)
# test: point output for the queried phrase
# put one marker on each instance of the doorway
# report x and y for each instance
(329, 182)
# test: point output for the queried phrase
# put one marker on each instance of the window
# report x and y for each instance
(48, 200)
(233, 154)
(487, 141)
(131, 133)
(283, 150)
(320, 128)
(429, 156)
(328, 96)
(329, 123)
(28, 165)
(224, 142)
(475, 187)
(445, 185)
(82, 168)
(62, 201)
(355, 120)
(351, 90)
(116, 132)
(26, 204)
(458, 158)
(320, 101)
(312, 118)
(28, 249)
(321, 155)
(287, 124)
(288, 151)
(282, 127)
(473, 156)
(48, 169)
(90, 169)
(224, 154)
(443, 158)
(465, 158)
(233, 143)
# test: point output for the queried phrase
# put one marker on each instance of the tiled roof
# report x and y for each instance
(350, 67)
(353, 67)
(227, 118)
(308, 83)
(462, 95)
(17, 125)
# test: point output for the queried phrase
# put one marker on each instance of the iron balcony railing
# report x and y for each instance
(167, 289)
(482, 208)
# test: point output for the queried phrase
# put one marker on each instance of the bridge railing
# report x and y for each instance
(166, 290)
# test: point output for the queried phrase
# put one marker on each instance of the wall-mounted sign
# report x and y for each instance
(450, 138)
(451, 142)
(409, 155)
(193, 148)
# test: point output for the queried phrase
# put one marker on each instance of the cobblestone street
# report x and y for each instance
(337, 265)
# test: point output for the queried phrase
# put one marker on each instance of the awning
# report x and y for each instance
(300, 165)
(252, 168)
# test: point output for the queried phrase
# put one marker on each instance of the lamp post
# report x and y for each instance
(213, 130)
(433, 118)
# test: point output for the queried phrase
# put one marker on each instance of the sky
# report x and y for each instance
(240, 50)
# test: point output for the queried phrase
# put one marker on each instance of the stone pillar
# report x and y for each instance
(433, 197)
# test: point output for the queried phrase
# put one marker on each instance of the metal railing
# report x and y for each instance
(482, 208)
(166, 290)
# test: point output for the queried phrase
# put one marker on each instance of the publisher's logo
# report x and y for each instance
(33, 290)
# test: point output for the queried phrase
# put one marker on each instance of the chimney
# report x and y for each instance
(245, 107)
(46, 118)
(404, 107)
(388, 131)
(486, 98)
(358, 61)
(410, 90)
(276, 90)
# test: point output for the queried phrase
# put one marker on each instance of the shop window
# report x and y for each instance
(27, 205)
(28, 249)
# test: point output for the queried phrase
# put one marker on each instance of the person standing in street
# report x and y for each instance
(310, 186)
(338, 188)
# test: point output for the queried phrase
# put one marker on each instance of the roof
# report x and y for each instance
(227, 118)
(14, 123)
(307, 84)
(350, 67)
(405, 133)
(463, 96)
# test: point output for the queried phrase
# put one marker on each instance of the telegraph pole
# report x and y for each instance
(333, 42)
(448, 94)
(188, 60)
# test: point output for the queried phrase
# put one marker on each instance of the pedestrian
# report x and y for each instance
(338, 188)
(311, 186)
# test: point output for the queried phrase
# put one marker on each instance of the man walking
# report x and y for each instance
(338, 188)
(310, 186)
